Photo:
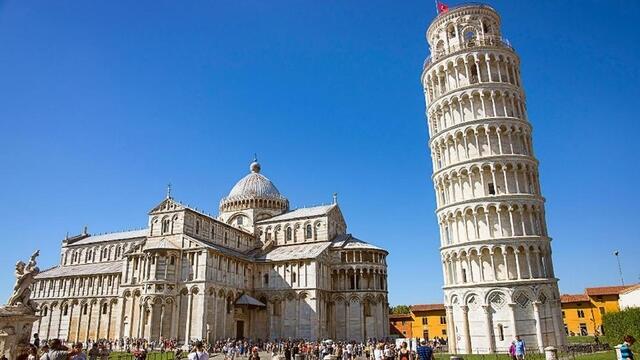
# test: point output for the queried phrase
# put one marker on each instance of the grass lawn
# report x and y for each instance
(605, 355)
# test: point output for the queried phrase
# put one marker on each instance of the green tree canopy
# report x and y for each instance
(618, 324)
(400, 309)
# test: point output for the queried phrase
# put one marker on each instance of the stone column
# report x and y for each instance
(451, 330)
(79, 321)
(131, 313)
(512, 316)
(90, 310)
(99, 321)
(489, 328)
(175, 316)
(536, 315)
(465, 328)
(151, 319)
(187, 333)
(109, 321)
(123, 306)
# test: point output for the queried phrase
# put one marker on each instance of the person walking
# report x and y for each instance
(198, 352)
(521, 348)
(404, 353)
(378, 353)
(76, 353)
(512, 350)
(425, 352)
(625, 348)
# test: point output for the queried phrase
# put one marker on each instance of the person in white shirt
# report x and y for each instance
(199, 353)
(378, 353)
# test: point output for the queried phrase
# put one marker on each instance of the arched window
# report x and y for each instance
(225, 239)
(229, 305)
(104, 308)
(197, 226)
(308, 233)
(469, 36)
(166, 225)
(288, 234)
(501, 332)
(294, 277)
(84, 309)
(45, 311)
(266, 279)
(65, 310)
(240, 220)
(367, 309)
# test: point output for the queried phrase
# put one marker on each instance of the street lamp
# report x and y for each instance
(617, 254)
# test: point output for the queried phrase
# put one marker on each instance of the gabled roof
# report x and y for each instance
(605, 290)
(112, 267)
(427, 307)
(159, 244)
(567, 298)
(348, 241)
(630, 289)
(123, 235)
(301, 213)
(400, 317)
(219, 248)
(295, 252)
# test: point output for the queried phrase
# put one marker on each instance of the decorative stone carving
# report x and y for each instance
(24, 278)
(18, 316)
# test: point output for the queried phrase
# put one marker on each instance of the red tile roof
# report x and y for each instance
(427, 307)
(630, 289)
(605, 290)
(566, 298)
(400, 317)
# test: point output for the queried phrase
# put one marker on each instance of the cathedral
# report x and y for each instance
(258, 270)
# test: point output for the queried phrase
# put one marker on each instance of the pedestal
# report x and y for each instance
(15, 329)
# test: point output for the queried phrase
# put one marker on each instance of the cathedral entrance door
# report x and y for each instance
(240, 329)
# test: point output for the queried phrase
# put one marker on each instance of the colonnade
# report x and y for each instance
(78, 320)
(348, 278)
(491, 222)
(473, 104)
(471, 69)
(477, 142)
(497, 263)
(474, 181)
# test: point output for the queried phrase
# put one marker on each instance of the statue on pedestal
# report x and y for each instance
(19, 314)
(25, 275)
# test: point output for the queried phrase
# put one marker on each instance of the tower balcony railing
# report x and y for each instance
(486, 41)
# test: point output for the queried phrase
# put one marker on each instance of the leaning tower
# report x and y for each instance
(496, 255)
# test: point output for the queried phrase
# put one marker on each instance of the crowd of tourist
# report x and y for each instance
(246, 349)
(285, 349)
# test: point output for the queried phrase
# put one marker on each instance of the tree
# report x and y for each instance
(400, 309)
(618, 324)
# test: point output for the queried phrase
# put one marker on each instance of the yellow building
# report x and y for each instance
(582, 313)
(429, 321)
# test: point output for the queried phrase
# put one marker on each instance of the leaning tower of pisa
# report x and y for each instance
(496, 255)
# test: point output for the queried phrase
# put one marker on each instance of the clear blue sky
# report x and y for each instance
(102, 103)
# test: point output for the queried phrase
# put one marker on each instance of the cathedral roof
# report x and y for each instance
(348, 241)
(254, 185)
(112, 267)
(123, 235)
(302, 213)
(256, 188)
(294, 252)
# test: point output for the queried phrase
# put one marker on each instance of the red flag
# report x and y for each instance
(442, 7)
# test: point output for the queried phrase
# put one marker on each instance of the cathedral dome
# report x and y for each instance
(254, 191)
